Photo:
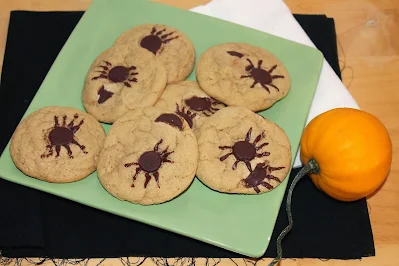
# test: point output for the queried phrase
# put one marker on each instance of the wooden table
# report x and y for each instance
(368, 42)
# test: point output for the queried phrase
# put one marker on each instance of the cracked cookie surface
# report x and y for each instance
(242, 152)
(57, 144)
(188, 100)
(170, 45)
(150, 156)
(240, 74)
(120, 79)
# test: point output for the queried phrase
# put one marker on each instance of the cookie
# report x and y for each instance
(57, 144)
(240, 74)
(150, 156)
(188, 100)
(242, 152)
(120, 79)
(170, 45)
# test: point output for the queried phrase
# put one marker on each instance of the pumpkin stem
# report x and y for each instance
(311, 167)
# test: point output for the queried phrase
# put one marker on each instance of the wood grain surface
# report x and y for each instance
(368, 42)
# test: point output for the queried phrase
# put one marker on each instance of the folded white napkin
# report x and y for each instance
(274, 17)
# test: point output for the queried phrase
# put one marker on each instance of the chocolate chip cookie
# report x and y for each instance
(188, 100)
(150, 156)
(120, 79)
(57, 144)
(242, 152)
(170, 45)
(240, 74)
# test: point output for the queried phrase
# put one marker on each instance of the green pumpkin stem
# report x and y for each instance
(311, 167)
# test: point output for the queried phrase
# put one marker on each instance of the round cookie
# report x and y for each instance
(150, 156)
(122, 78)
(188, 100)
(57, 144)
(242, 152)
(240, 74)
(170, 45)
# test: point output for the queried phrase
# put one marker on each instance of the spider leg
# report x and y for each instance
(104, 69)
(273, 86)
(64, 121)
(277, 77)
(170, 39)
(147, 179)
(127, 84)
(132, 68)
(138, 170)
(77, 127)
(206, 114)
(260, 63)
(157, 145)
(250, 62)
(156, 176)
(82, 147)
(271, 69)
(224, 157)
(265, 87)
(271, 169)
(56, 121)
(253, 85)
(102, 76)
(57, 150)
(245, 76)
(248, 136)
(214, 109)
(66, 146)
(247, 163)
(261, 146)
(224, 147)
(160, 32)
(266, 185)
(235, 165)
(133, 80)
(166, 35)
(50, 152)
(272, 177)
(256, 189)
(153, 30)
(130, 164)
(262, 154)
(133, 73)
(165, 156)
(108, 63)
(258, 138)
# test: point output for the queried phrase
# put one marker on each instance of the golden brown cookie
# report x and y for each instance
(120, 79)
(186, 99)
(240, 74)
(242, 152)
(170, 45)
(57, 144)
(150, 156)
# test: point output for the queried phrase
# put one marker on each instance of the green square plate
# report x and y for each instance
(240, 223)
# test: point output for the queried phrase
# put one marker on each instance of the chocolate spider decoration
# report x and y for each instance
(187, 115)
(261, 76)
(150, 162)
(117, 74)
(203, 104)
(245, 151)
(258, 176)
(63, 136)
(154, 41)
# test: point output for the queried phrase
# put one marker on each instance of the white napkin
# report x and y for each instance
(274, 17)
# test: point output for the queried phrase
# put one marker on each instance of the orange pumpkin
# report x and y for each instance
(352, 150)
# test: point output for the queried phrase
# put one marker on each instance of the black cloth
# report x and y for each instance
(37, 224)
